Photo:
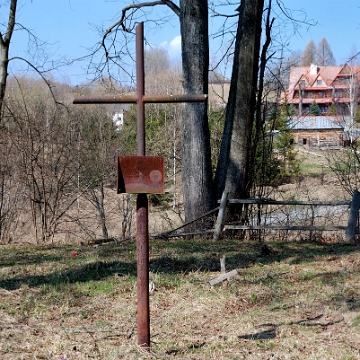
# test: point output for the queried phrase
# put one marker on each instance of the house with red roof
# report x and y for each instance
(335, 91)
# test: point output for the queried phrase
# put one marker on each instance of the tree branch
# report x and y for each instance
(172, 6)
(134, 8)
(40, 74)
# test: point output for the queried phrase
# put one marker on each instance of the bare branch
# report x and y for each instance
(288, 13)
(133, 8)
(41, 74)
(172, 6)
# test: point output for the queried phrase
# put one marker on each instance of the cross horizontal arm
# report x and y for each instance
(110, 99)
(133, 99)
(174, 98)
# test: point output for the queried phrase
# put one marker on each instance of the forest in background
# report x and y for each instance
(58, 163)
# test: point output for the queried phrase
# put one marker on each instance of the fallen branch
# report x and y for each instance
(223, 277)
(102, 241)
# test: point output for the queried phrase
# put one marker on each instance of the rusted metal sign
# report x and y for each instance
(140, 175)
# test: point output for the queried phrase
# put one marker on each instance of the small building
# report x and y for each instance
(218, 91)
(318, 132)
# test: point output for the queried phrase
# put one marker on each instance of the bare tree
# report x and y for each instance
(7, 110)
(42, 141)
(308, 57)
(5, 206)
(5, 41)
(233, 164)
(324, 55)
(196, 153)
(97, 167)
(156, 61)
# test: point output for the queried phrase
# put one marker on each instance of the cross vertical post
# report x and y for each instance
(142, 221)
(142, 207)
(140, 90)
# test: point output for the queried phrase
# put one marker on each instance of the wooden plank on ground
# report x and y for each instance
(223, 277)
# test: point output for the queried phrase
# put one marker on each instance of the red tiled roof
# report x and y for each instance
(326, 73)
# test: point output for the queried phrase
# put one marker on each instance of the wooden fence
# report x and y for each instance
(350, 230)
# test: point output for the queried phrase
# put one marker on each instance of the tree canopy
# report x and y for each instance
(324, 55)
(309, 55)
(320, 55)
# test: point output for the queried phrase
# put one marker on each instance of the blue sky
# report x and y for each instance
(337, 20)
(69, 28)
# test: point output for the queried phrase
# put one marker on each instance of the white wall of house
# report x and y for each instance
(118, 119)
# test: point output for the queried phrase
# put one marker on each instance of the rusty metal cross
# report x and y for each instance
(142, 231)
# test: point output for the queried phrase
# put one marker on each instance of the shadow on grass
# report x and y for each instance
(206, 256)
(90, 272)
(262, 335)
(270, 333)
(23, 258)
(180, 257)
(39, 254)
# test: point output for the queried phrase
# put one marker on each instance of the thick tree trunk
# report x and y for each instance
(196, 155)
(234, 160)
(4, 50)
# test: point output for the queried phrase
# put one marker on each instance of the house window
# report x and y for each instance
(304, 141)
(338, 94)
(319, 82)
(308, 94)
(323, 109)
(302, 84)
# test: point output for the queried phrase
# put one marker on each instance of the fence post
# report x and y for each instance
(219, 225)
(353, 217)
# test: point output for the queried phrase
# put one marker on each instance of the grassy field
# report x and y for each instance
(290, 300)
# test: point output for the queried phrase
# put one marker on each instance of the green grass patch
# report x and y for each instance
(85, 306)
(311, 169)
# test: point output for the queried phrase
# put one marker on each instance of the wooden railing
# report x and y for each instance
(350, 229)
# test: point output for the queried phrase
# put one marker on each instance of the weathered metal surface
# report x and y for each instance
(110, 99)
(140, 175)
(140, 89)
(189, 98)
(142, 254)
(133, 99)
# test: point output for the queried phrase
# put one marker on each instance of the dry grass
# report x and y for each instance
(300, 300)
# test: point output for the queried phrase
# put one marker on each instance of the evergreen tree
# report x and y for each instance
(309, 55)
(332, 111)
(275, 153)
(314, 109)
(324, 55)
(284, 144)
